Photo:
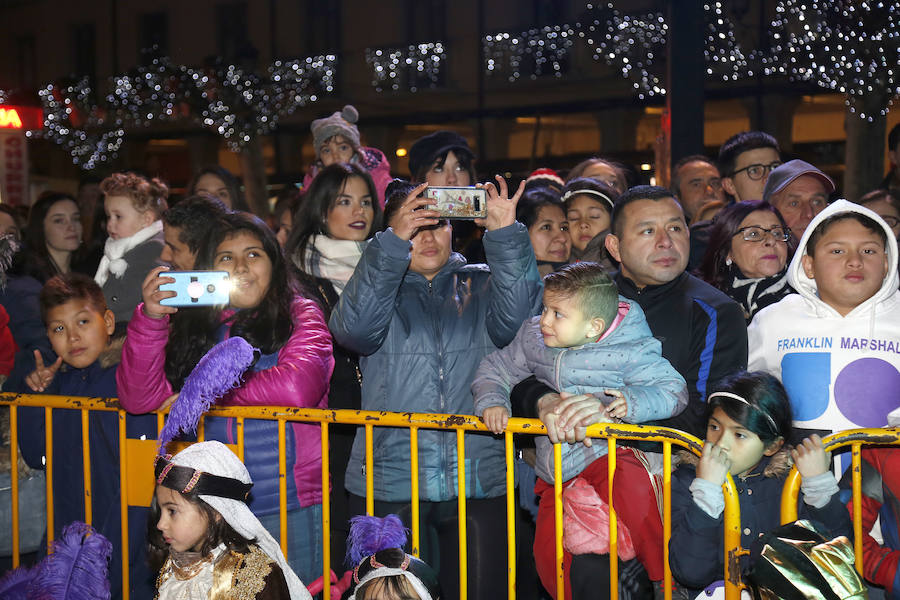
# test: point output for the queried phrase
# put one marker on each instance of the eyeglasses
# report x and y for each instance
(755, 233)
(757, 171)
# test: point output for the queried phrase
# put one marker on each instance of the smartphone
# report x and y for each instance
(196, 288)
(458, 202)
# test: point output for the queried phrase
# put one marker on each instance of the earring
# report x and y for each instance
(728, 261)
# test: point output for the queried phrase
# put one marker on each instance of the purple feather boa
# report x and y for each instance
(77, 568)
(218, 371)
(369, 535)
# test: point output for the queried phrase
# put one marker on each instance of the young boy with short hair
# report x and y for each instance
(835, 344)
(80, 326)
(589, 340)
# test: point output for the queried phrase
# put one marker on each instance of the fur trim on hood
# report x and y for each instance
(112, 355)
(806, 287)
(778, 466)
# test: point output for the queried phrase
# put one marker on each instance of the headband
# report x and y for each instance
(185, 479)
(418, 573)
(571, 193)
(193, 468)
(744, 400)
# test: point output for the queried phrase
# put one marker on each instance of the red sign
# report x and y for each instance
(21, 117)
(13, 168)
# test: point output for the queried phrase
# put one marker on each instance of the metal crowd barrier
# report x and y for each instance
(136, 458)
(855, 439)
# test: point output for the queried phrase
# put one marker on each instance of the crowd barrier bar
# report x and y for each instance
(855, 438)
(414, 422)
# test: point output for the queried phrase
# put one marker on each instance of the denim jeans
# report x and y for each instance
(304, 534)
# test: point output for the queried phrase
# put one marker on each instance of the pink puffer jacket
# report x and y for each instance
(300, 379)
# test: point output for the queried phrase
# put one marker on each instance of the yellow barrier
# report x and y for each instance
(855, 438)
(132, 480)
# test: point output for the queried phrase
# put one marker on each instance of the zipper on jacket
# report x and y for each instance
(435, 320)
(557, 367)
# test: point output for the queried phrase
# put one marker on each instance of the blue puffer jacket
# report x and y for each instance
(627, 358)
(420, 343)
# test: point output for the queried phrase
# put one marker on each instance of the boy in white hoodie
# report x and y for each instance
(835, 344)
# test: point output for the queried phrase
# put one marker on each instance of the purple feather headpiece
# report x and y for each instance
(16, 584)
(218, 371)
(77, 568)
(369, 535)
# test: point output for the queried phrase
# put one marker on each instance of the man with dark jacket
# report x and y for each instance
(702, 331)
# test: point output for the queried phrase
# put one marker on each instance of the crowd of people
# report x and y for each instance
(746, 304)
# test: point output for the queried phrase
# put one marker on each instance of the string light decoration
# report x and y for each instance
(724, 55)
(534, 53)
(849, 46)
(71, 121)
(296, 83)
(236, 104)
(159, 91)
(414, 66)
(631, 43)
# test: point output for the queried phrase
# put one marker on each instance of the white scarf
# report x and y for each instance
(112, 261)
(334, 260)
(215, 458)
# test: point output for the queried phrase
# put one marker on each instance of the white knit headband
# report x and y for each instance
(571, 193)
(744, 400)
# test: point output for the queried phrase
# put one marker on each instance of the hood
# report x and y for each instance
(806, 287)
(893, 418)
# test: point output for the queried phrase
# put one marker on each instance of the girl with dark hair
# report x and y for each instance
(219, 183)
(335, 218)
(749, 419)
(589, 203)
(293, 369)
(543, 214)
(202, 537)
(444, 158)
(52, 237)
(748, 254)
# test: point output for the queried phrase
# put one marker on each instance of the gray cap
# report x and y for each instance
(785, 174)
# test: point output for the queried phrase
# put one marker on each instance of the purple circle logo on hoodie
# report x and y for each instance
(866, 390)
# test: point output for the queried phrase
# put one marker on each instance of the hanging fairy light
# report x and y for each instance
(71, 121)
(411, 67)
(532, 53)
(852, 47)
(633, 44)
(296, 83)
(724, 56)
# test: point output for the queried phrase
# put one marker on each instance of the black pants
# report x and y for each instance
(439, 540)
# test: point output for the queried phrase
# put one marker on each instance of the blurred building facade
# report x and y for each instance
(554, 119)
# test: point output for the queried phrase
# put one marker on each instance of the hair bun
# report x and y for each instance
(350, 114)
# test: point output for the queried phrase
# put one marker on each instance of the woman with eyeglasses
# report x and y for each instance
(748, 254)
(887, 204)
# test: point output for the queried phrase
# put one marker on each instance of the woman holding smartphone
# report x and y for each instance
(335, 218)
(295, 361)
(421, 319)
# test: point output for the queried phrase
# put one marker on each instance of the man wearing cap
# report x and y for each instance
(799, 191)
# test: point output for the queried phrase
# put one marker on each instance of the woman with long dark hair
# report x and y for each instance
(334, 220)
(293, 368)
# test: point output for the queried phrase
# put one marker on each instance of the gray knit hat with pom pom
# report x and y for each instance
(341, 123)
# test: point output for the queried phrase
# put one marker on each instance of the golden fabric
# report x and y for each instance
(235, 576)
